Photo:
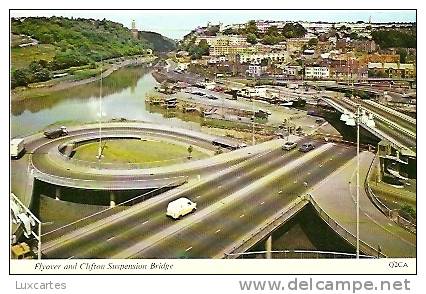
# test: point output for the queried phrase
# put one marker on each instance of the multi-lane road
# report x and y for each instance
(230, 204)
(405, 138)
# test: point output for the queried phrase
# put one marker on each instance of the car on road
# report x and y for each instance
(289, 145)
(306, 147)
(213, 97)
(52, 134)
(180, 207)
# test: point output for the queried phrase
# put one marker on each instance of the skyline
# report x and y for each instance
(182, 22)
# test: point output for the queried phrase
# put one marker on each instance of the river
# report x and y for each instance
(123, 96)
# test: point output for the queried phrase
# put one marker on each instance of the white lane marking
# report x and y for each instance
(241, 215)
(144, 222)
(187, 249)
(217, 231)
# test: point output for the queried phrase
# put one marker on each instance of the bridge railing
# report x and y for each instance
(264, 230)
(302, 254)
(58, 232)
(393, 214)
(345, 234)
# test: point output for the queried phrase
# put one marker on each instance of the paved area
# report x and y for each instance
(337, 197)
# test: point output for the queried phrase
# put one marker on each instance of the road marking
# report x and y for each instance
(144, 222)
(280, 192)
(217, 231)
(241, 215)
(187, 249)
(263, 202)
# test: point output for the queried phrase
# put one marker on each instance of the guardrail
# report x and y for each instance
(57, 233)
(393, 111)
(299, 254)
(345, 234)
(392, 214)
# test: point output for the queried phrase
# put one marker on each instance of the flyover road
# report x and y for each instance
(44, 161)
(398, 118)
(230, 204)
(404, 139)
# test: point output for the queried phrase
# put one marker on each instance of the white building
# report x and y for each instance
(317, 72)
(292, 71)
(257, 58)
(255, 70)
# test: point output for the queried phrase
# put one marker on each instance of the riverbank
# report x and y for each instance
(39, 90)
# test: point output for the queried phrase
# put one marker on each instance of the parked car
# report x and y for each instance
(306, 147)
(289, 145)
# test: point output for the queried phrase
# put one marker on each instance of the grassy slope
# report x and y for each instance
(22, 57)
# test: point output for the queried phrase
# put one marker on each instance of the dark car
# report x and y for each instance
(52, 134)
(306, 147)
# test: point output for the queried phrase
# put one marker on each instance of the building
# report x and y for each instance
(382, 58)
(317, 72)
(296, 44)
(391, 70)
(368, 46)
(292, 70)
(255, 70)
(273, 57)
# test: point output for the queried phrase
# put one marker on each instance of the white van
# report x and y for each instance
(16, 147)
(180, 207)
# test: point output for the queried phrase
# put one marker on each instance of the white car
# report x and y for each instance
(289, 145)
(180, 207)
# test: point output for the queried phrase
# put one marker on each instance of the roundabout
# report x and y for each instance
(134, 158)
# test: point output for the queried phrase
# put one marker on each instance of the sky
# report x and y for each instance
(175, 24)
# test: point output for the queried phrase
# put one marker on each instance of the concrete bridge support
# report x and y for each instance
(112, 199)
(268, 247)
(58, 193)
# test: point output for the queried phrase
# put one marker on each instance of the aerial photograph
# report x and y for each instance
(227, 134)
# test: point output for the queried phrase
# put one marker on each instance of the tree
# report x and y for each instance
(251, 38)
(407, 211)
(312, 42)
(251, 28)
(293, 30)
(190, 149)
(20, 77)
(402, 55)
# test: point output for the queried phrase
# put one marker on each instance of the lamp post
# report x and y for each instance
(360, 117)
(99, 156)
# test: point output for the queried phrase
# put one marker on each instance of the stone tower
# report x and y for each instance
(135, 32)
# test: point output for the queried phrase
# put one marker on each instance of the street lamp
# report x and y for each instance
(99, 156)
(352, 120)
